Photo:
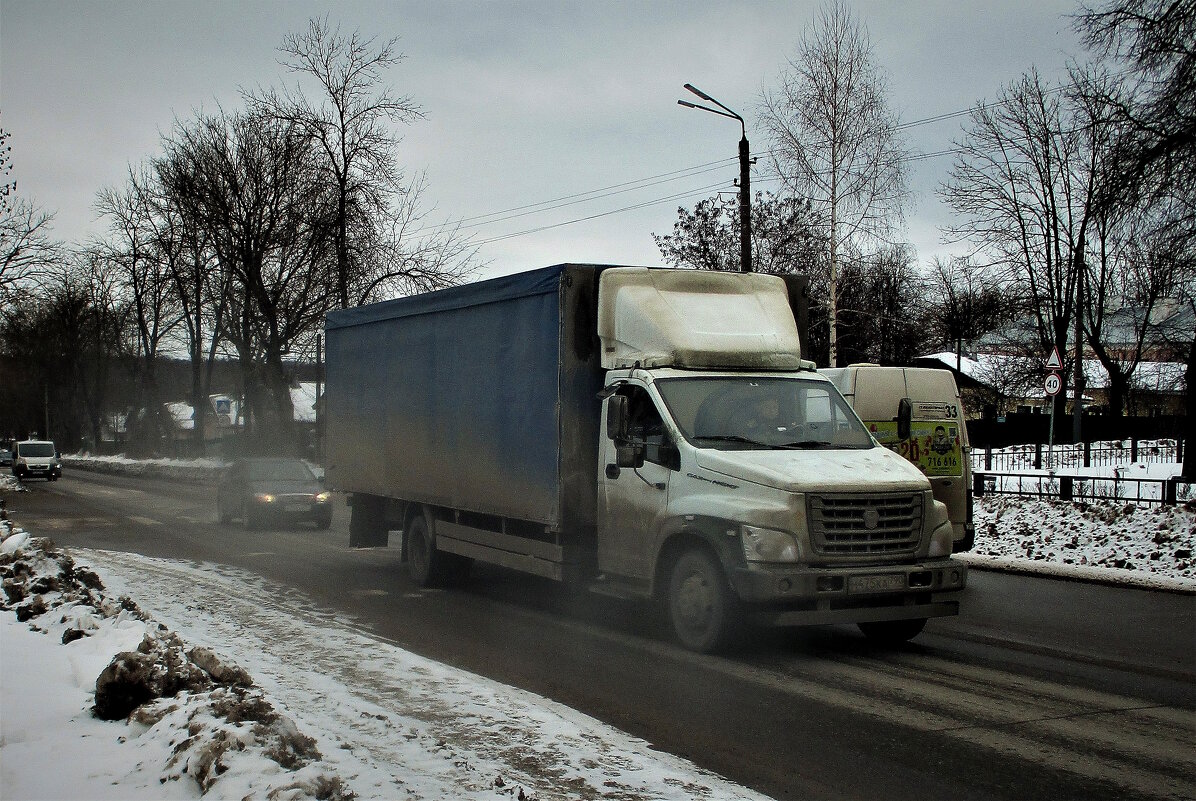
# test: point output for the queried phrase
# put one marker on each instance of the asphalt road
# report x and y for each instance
(1040, 689)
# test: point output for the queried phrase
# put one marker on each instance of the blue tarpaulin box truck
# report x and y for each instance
(643, 433)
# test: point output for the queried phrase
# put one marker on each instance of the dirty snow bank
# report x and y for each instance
(189, 469)
(1112, 541)
(316, 708)
(190, 723)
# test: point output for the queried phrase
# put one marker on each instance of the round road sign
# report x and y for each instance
(1052, 384)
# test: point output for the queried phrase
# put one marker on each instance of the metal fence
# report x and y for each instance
(1080, 487)
(1087, 454)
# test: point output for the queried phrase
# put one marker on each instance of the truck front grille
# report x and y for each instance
(865, 524)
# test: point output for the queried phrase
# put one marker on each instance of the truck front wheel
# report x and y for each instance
(893, 632)
(704, 612)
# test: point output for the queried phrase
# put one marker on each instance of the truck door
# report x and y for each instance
(631, 500)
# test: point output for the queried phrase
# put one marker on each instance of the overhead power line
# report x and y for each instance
(667, 177)
(594, 194)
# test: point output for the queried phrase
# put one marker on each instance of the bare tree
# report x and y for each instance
(351, 121)
(1155, 158)
(880, 309)
(963, 303)
(411, 253)
(63, 340)
(200, 287)
(1023, 187)
(253, 185)
(131, 253)
(834, 138)
(27, 249)
(1156, 98)
(7, 188)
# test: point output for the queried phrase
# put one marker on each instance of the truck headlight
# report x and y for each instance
(768, 545)
(942, 534)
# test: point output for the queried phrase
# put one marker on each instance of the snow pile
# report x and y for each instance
(189, 469)
(188, 718)
(9, 483)
(1145, 545)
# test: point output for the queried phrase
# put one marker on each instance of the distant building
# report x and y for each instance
(998, 384)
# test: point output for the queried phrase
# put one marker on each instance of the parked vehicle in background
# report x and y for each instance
(272, 490)
(644, 433)
(917, 412)
(36, 458)
(5, 456)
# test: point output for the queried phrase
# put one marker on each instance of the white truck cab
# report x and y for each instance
(733, 477)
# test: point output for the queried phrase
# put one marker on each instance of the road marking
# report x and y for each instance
(369, 593)
(144, 521)
(64, 524)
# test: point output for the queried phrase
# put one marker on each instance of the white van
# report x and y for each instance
(35, 458)
(917, 412)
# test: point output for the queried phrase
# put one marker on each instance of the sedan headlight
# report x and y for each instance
(322, 497)
(769, 545)
(264, 497)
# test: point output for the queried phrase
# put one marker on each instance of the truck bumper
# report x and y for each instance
(805, 595)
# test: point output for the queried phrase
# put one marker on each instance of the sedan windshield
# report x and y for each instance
(738, 413)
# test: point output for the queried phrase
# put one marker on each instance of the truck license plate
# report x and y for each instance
(885, 583)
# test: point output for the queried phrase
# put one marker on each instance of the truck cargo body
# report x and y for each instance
(481, 398)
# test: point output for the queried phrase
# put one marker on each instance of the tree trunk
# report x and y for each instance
(1189, 465)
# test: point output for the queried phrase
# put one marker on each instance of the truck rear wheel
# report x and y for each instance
(892, 632)
(428, 566)
(703, 611)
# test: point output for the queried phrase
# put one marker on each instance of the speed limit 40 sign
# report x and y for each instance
(1052, 384)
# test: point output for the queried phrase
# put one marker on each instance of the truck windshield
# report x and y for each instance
(36, 449)
(753, 413)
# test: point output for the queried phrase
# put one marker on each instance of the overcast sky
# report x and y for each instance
(525, 102)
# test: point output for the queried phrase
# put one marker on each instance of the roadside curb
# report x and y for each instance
(1107, 576)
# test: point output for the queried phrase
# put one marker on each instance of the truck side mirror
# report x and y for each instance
(616, 418)
(905, 414)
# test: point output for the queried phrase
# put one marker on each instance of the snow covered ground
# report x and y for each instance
(255, 691)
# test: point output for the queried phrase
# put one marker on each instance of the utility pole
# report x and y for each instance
(1077, 410)
(745, 164)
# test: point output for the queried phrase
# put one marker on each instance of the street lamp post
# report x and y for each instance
(745, 189)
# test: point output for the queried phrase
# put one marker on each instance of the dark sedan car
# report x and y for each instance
(274, 490)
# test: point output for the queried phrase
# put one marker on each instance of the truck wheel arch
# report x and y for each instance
(678, 536)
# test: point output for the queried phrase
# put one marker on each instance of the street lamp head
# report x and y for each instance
(725, 112)
(745, 162)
